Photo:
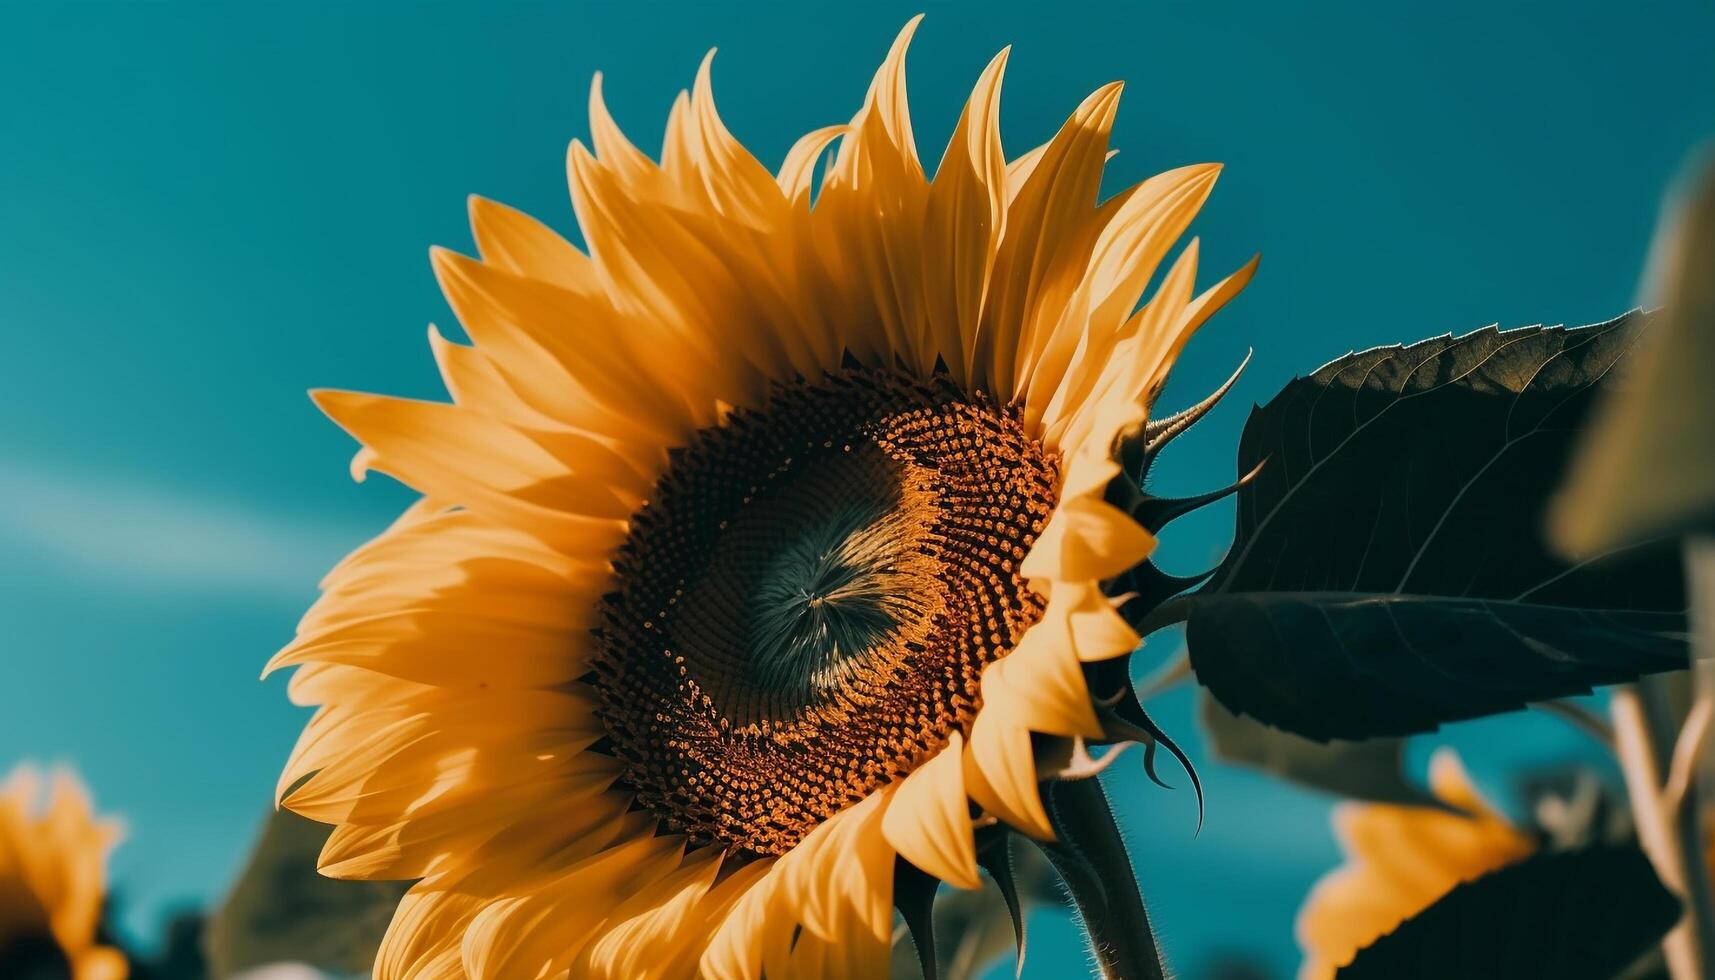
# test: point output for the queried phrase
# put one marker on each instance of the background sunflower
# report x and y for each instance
(53, 880)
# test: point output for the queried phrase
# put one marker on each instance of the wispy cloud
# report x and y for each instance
(155, 537)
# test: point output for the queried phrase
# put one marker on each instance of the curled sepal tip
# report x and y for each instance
(996, 859)
(1124, 720)
(1158, 433)
(914, 897)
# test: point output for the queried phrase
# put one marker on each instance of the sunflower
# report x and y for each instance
(52, 870)
(755, 544)
(1399, 861)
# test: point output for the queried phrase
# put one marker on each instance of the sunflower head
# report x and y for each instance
(758, 542)
(807, 600)
(53, 859)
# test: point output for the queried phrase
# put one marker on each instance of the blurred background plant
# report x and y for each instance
(1647, 472)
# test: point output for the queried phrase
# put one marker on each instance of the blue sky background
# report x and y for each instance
(208, 209)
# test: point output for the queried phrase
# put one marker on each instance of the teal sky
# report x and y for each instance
(208, 209)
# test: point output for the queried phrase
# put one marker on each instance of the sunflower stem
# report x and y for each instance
(1091, 857)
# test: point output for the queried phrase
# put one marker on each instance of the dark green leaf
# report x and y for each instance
(1368, 770)
(1570, 915)
(1337, 665)
(1389, 571)
(282, 910)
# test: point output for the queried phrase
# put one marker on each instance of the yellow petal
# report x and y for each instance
(1135, 241)
(458, 456)
(962, 228)
(716, 329)
(512, 240)
(53, 857)
(836, 885)
(1019, 170)
(475, 383)
(867, 222)
(100, 963)
(737, 184)
(715, 912)
(541, 932)
(1054, 200)
(628, 469)
(1158, 351)
(423, 938)
(651, 929)
(1000, 771)
(888, 106)
(1042, 679)
(432, 647)
(735, 951)
(611, 146)
(1098, 630)
(1214, 298)
(800, 164)
(842, 871)
(929, 821)
(1073, 355)
(1127, 382)
(857, 955)
(442, 839)
(563, 349)
(447, 754)
(1087, 539)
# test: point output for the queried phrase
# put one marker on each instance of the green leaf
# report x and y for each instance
(1571, 915)
(283, 910)
(1389, 571)
(1368, 770)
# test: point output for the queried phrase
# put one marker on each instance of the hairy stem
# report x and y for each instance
(1091, 858)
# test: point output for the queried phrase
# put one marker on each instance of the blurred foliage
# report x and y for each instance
(1585, 914)
(1646, 471)
(282, 910)
(1231, 965)
(1570, 806)
(1372, 769)
(181, 956)
(1648, 466)
(33, 955)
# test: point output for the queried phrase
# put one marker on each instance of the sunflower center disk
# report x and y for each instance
(806, 603)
